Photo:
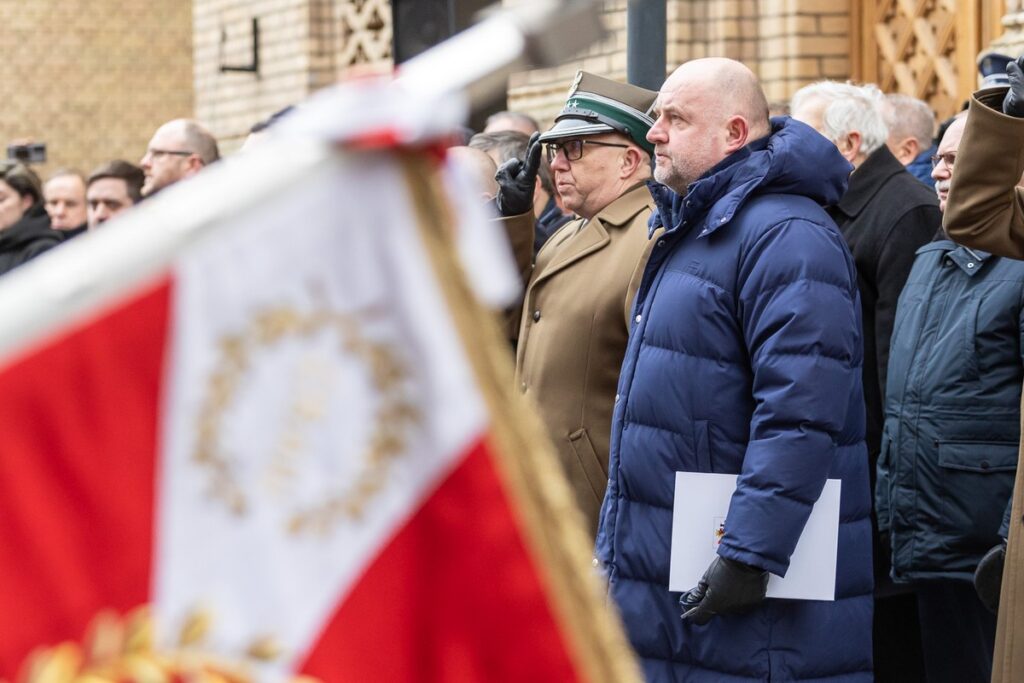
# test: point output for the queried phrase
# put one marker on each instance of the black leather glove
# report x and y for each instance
(1013, 103)
(988, 577)
(728, 587)
(516, 180)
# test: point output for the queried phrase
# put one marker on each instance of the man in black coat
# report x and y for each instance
(885, 216)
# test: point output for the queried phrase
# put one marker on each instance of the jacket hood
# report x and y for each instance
(793, 159)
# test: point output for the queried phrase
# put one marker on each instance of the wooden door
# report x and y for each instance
(924, 48)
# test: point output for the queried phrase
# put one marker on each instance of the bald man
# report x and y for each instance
(179, 149)
(744, 358)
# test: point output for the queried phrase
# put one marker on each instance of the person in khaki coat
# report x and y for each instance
(985, 210)
(576, 311)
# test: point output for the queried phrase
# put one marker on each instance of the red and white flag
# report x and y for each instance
(255, 407)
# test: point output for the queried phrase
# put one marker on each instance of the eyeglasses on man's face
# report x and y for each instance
(154, 152)
(949, 158)
(573, 149)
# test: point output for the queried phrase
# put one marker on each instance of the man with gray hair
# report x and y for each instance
(503, 145)
(178, 149)
(885, 216)
(911, 124)
(512, 120)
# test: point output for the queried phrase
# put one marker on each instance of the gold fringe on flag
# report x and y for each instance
(119, 649)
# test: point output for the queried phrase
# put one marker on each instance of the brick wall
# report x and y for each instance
(542, 92)
(801, 42)
(304, 45)
(788, 43)
(93, 78)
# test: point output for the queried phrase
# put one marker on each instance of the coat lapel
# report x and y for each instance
(572, 243)
(574, 247)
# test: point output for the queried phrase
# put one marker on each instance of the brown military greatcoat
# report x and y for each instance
(573, 335)
(985, 210)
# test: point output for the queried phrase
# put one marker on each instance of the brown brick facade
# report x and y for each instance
(93, 78)
(304, 45)
(788, 43)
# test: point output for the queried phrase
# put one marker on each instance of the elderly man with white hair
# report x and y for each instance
(885, 216)
(911, 124)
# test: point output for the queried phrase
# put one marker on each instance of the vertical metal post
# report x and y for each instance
(645, 43)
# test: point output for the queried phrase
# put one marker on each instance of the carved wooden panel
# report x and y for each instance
(924, 48)
(364, 32)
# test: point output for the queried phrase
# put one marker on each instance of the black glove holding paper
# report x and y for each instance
(728, 587)
(517, 179)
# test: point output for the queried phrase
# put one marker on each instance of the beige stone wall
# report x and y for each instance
(788, 43)
(304, 45)
(542, 92)
(93, 78)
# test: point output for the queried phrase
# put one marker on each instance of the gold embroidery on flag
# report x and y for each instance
(119, 649)
(396, 414)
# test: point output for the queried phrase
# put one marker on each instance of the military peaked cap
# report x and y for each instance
(598, 105)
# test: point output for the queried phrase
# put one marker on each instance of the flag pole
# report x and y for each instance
(551, 522)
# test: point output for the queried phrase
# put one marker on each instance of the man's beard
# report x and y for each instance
(672, 176)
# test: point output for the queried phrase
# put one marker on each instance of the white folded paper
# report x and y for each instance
(698, 524)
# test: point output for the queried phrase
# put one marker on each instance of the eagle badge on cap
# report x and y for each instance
(575, 84)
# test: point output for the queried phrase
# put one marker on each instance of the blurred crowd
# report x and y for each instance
(708, 288)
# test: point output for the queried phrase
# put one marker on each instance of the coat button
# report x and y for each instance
(661, 243)
(523, 386)
(985, 464)
(638, 319)
(970, 264)
(536, 315)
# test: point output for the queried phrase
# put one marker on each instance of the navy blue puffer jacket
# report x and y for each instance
(745, 357)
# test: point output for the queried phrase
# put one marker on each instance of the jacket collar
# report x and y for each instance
(574, 242)
(703, 195)
(626, 207)
(970, 261)
(868, 179)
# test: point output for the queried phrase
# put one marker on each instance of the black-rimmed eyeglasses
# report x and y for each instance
(573, 149)
(948, 157)
(153, 152)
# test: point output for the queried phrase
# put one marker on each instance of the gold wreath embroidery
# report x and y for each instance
(396, 414)
(121, 650)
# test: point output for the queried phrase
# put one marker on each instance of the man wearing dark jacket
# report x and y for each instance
(952, 427)
(744, 357)
(885, 216)
(64, 200)
(985, 210)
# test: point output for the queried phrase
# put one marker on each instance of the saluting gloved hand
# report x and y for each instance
(988, 577)
(516, 180)
(728, 587)
(1013, 103)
